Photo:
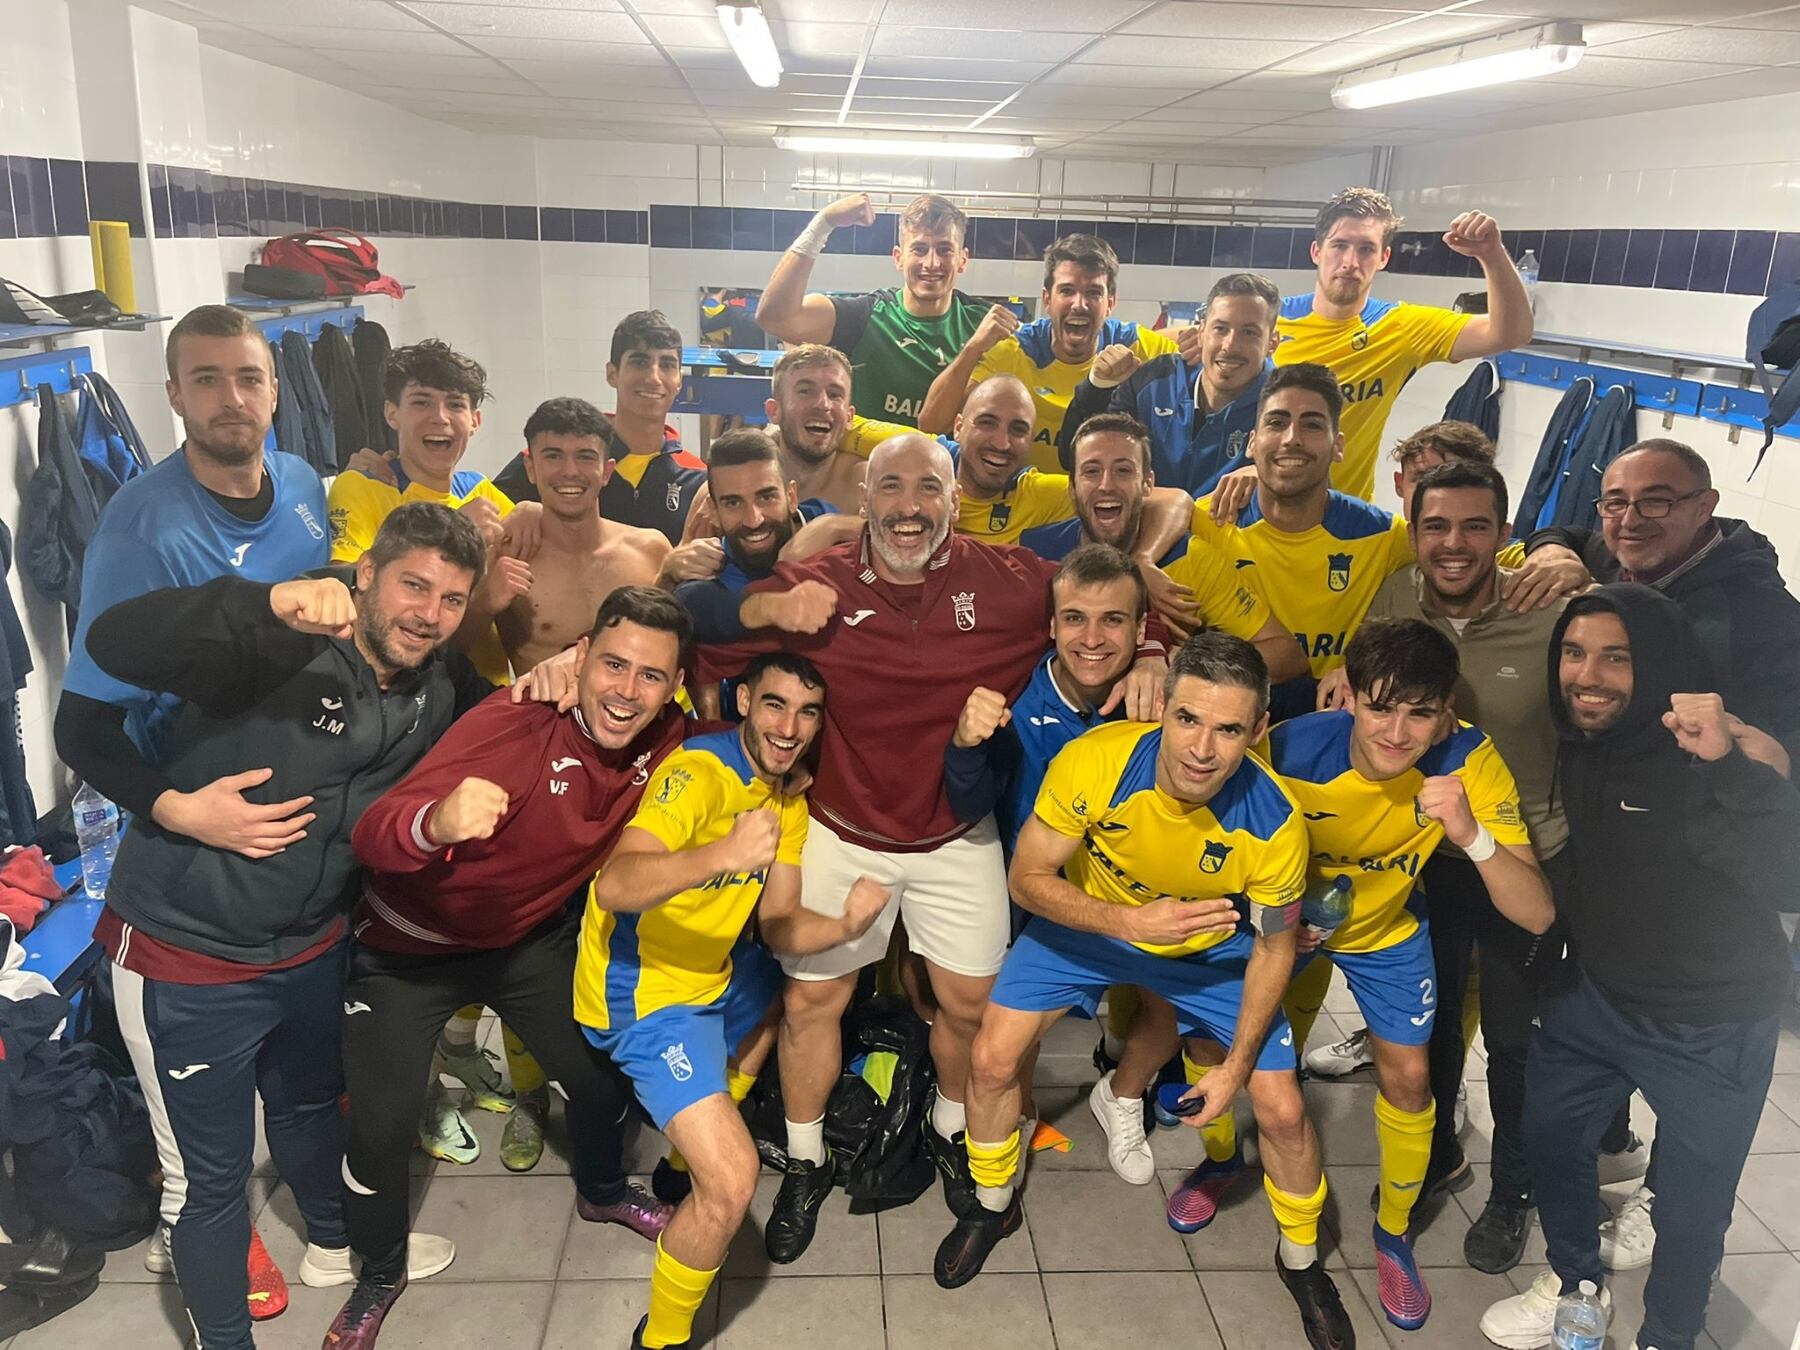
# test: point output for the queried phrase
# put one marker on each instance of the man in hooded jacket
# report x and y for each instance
(1681, 850)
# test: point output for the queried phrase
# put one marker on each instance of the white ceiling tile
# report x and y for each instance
(360, 14)
(1736, 46)
(1021, 46)
(562, 25)
(956, 68)
(1304, 23)
(1640, 11)
(1336, 57)
(1625, 72)
(887, 88)
(417, 39)
(808, 38)
(680, 30)
(1222, 54)
(1089, 16)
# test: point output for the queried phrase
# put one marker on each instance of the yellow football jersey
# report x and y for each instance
(1374, 832)
(1513, 555)
(1137, 843)
(357, 506)
(1033, 497)
(1225, 600)
(1319, 582)
(679, 952)
(1052, 382)
(1373, 354)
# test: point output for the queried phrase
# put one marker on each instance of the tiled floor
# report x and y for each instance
(1096, 1264)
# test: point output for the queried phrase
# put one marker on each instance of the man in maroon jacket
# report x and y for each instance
(904, 621)
(472, 861)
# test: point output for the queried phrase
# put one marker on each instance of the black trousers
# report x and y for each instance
(1707, 1086)
(394, 1008)
(1464, 922)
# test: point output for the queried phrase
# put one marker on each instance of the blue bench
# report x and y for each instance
(62, 948)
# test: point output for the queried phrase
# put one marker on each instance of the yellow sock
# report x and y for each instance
(1122, 1002)
(1220, 1137)
(675, 1159)
(676, 1293)
(1296, 1215)
(993, 1165)
(1305, 996)
(1405, 1153)
(738, 1083)
(1471, 1009)
(521, 1063)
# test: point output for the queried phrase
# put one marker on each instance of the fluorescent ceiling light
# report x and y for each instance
(748, 33)
(905, 144)
(1519, 55)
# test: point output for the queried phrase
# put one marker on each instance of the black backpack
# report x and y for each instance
(1773, 340)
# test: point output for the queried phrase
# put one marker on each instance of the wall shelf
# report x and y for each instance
(309, 317)
(20, 376)
(24, 334)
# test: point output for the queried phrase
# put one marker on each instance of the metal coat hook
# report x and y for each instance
(60, 368)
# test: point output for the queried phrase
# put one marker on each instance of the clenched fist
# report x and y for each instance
(1443, 799)
(806, 608)
(998, 324)
(863, 905)
(1475, 234)
(1701, 725)
(856, 209)
(320, 605)
(471, 811)
(752, 842)
(983, 714)
(1113, 366)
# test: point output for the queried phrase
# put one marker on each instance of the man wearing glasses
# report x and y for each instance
(1657, 526)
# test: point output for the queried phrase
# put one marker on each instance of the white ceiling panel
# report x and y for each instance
(1225, 81)
(1199, 52)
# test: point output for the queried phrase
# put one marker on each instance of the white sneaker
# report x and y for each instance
(1347, 1056)
(1528, 1320)
(156, 1255)
(426, 1255)
(1629, 1240)
(1127, 1151)
(1459, 1114)
(1626, 1165)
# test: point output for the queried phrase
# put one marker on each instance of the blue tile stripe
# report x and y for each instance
(41, 197)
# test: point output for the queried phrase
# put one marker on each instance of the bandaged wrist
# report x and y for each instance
(1482, 847)
(811, 240)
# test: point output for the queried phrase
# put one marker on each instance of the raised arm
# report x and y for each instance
(945, 397)
(791, 929)
(787, 310)
(642, 873)
(1508, 322)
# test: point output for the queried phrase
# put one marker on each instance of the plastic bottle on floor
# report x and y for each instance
(1580, 1320)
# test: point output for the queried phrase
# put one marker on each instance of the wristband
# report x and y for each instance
(1482, 847)
(811, 240)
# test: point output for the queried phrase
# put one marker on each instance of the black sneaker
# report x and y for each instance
(1496, 1241)
(358, 1323)
(965, 1248)
(1445, 1175)
(1104, 1062)
(951, 1158)
(796, 1213)
(637, 1337)
(669, 1184)
(1322, 1312)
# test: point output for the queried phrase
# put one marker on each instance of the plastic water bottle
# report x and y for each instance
(1580, 1320)
(1326, 904)
(1528, 273)
(97, 832)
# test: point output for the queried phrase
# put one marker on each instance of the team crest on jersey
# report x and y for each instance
(1235, 443)
(673, 500)
(1212, 858)
(1360, 341)
(1425, 822)
(964, 601)
(642, 765)
(674, 785)
(1337, 571)
(681, 1068)
(1079, 805)
(998, 514)
(316, 530)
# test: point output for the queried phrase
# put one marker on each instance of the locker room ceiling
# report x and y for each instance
(1236, 82)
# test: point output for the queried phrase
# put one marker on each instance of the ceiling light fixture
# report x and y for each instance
(902, 143)
(748, 33)
(1519, 55)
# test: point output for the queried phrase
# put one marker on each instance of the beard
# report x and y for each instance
(378, 635)
(764, 560)
(234, 445)
(1128, 524)
(907, 566)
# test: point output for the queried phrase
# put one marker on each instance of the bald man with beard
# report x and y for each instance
(904, 621)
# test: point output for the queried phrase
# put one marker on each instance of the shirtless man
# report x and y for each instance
(542, 606)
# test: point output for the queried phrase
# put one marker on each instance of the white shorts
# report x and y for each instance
(953, 899)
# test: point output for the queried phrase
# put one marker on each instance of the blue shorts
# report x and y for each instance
(676, 1055)
(1395, 988)
(1052, 967)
